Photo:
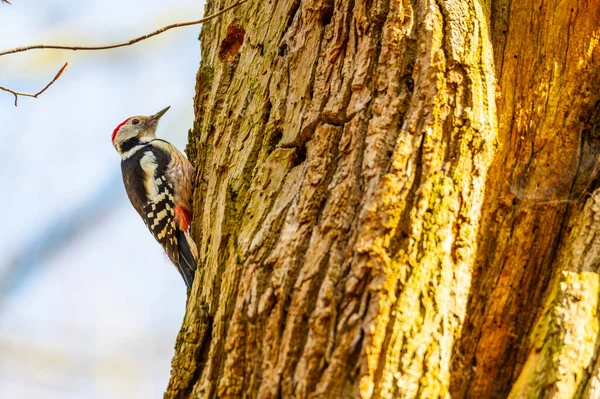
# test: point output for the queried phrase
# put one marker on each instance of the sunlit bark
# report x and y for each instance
(371, 204)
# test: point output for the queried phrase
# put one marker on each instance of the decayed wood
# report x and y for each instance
(547, 68)
(564, 342)
(348, 188)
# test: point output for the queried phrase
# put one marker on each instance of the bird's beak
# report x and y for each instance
(156, 116)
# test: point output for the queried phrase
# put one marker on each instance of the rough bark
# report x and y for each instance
(376, 201)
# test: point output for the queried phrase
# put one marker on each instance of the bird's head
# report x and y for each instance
(142, 128)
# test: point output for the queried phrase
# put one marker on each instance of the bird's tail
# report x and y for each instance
(187, 257)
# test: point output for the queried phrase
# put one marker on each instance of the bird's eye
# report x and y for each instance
(135, 122)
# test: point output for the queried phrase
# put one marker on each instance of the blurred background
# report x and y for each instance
(89, 305)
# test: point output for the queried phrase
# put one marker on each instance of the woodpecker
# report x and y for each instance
(158, 181)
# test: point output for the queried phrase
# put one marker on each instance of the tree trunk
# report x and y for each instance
(392, 200)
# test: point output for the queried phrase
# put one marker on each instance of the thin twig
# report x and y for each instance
(122, 44)
(19, 93)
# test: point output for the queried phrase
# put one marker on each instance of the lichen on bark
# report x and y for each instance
(361, 206)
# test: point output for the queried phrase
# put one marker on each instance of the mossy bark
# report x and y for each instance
(376, 201)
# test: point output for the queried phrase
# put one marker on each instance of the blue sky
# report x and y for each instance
(90, 306)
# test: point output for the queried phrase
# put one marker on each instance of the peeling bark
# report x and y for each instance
(371, 205)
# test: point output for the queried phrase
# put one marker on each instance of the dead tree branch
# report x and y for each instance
(122, 44)
(20, 93)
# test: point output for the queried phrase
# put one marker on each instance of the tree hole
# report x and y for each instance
(274, 140)
(282, 49)
(327, 15)
(230, 46)
(299, 155)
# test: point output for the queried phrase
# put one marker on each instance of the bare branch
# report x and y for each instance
(105, 47)
(122, 44)
(19, 93)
